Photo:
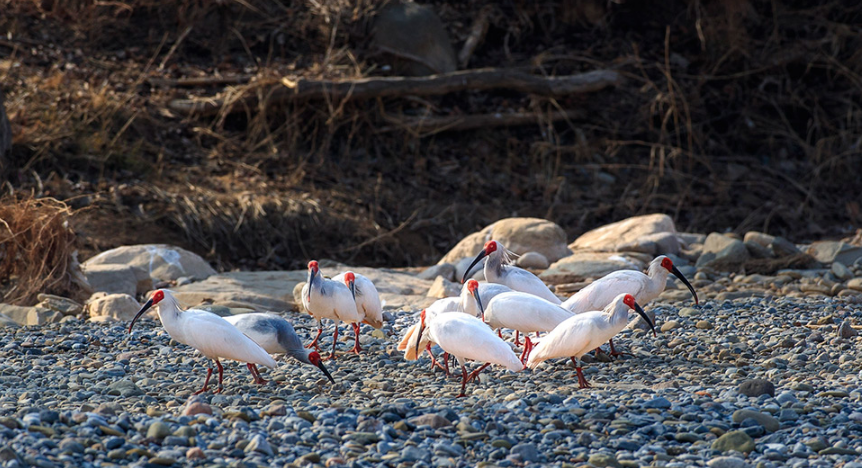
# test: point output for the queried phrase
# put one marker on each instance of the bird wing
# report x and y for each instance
(570, 338)
(215, 337)
(522, 280)
(369, 300)
(466, 337)
(524, 312)
(603, 291)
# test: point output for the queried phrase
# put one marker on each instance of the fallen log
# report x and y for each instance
(368, 88)
(426, 126)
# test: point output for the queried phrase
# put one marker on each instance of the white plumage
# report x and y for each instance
(327, 299)
(367, 299)
(497, 270)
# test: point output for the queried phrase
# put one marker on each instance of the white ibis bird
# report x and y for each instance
(211, 335)
(474, 294)
(367, 300)
(498, 270)
(525, 313)
(466, 337)
(584, 332)
(644, 287)
(276, 336)
(327, 299)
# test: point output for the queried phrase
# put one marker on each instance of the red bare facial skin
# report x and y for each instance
(490, 246)
(158, 296)
(629, 300)
(667, 264)
(472, 285)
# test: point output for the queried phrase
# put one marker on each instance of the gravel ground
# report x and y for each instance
(84, 394)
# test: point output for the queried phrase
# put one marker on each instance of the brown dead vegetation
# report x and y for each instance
(733, 114)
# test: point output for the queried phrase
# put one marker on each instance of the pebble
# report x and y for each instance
(757, 387)
(735, 440)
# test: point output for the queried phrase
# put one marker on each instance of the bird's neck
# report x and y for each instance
(657, 278)
(494, 266)
(169, 314)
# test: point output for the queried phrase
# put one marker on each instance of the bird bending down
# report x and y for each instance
(584, 332)
(497, 270)
(276, 336)
(525, 313)
(367, 301)
(466, 337)
(328, 299)
(644, 287)
(211, 335)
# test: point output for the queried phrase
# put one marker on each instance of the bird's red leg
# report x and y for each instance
(500, 333)
(446, 363)
(220, 377)
(582, 381)
(475, 373)
(255, 373)
(434, 362)
(313, 344)
(356, 348)
(334, 341)
(517, 341)
(614, 352)
(463, 381)
(206, 382)
(528, 346)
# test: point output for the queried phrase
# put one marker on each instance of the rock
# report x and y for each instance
(197, 407)
(443, 288)
(259, 444)
(670, 325)
(704, 325)
(119, 306)
(855, 284)
(727, 462)
(412, 453)
(109, 409)
(582, 265)
(653, 234)
(117, 279)
(520, 235)
(60, 304)
(478, 269)
(414, 35)
(841, 271)
(757, 251)
(658, 402)
(195, 453)
(734, 440)
(768, 422)
(161, 262)
(30, 315)
(126, 388)
(815, 443)
(446, 270)
(6, 321)
(757, 387)
(782, 247)
(835, 251)
(434, 420)
(533, 261)
(846, 330)
(158, 430)
(601, 460)
(721, 252)
(759, 238)
(526, 451)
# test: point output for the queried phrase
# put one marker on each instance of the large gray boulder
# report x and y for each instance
(653, 234)
(162, 262)
(520, 235)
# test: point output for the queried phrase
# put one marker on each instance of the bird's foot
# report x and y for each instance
(331, 357)
(260, 381)
(615, 353)
(218, 390)
(356, 349)
(314, 345)
(200, 391)
(461, 395)
(582, 381)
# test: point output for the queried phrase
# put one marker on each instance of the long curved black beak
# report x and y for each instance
(419, 339)
(310, 282)
(470, 268)
(326, 372)
(479, 301)
(678, 274)
(352, 289)
(646, 318)
(140, 312)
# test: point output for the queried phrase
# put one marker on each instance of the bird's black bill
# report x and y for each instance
(311, 274)
(419, 337)
(678, 274)
(140, 312)
(325, 372)
(479, 301)
(470, 268)
(353, 290)
(646, 318)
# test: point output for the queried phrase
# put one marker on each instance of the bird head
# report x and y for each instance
(157, 297)
(350, 281)
(314, 358)
(313, 268)
(490, 247)
(667, 264)
(629, 300)
(421, 329)
(473, 287)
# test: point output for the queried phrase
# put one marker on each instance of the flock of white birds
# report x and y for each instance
(463, 326)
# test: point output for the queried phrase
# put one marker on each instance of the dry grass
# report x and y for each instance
(36, 249)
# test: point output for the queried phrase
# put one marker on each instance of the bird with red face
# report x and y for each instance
(498, 270)
(327, 299)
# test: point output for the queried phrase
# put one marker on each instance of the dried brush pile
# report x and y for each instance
(734, 114)
(37, 249)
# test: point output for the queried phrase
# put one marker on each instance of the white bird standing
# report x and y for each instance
(211, 335)
(367, 300)
(497, 270)
(277, 336)
(327, 299)
(466, 337)
(525, 313)
(474, 294)
(644, 287)
(582, 333)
